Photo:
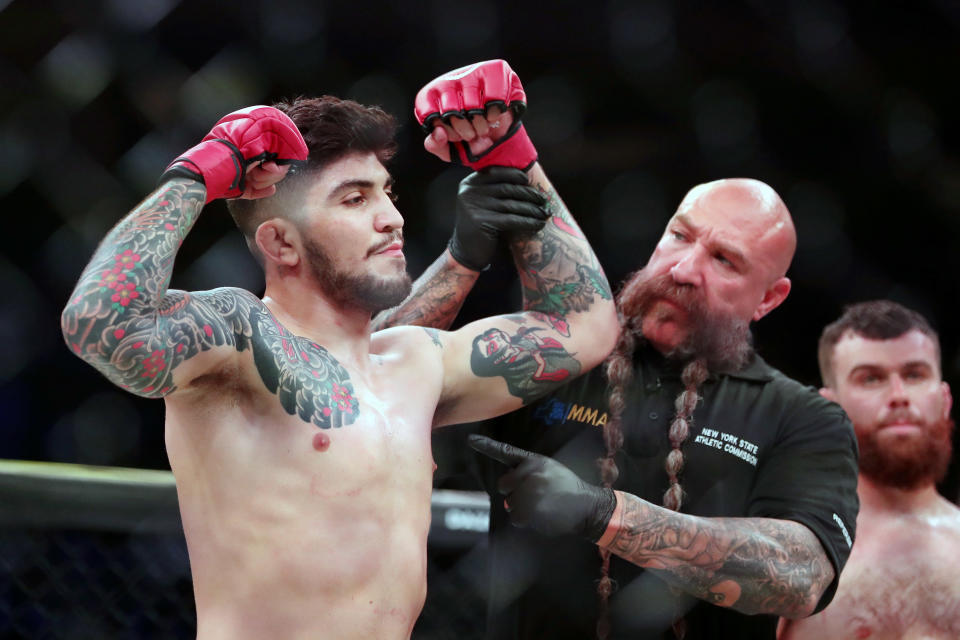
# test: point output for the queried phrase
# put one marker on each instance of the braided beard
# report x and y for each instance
(714, 342)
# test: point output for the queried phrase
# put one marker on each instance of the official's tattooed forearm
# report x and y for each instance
(753, 565)
(558, 270)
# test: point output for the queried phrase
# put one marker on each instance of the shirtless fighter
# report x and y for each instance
(300, 441)
(881, 362)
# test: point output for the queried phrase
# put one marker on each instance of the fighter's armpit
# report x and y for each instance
(144, 350)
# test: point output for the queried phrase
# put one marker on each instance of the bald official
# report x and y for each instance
(686, 489)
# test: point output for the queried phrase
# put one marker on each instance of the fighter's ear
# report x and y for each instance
(772, 297)
(279, 242)
(828, 393)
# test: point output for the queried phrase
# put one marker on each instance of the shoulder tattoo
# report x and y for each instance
(309, 381)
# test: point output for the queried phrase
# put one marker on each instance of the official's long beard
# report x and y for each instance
(722, 341)
(911, 464)
(359, 291)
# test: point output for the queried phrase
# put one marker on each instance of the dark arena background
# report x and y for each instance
(848, 110)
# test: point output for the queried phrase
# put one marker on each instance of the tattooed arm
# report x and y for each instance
(122, 319)
(567, 326)
(752, 565)
(569, 322)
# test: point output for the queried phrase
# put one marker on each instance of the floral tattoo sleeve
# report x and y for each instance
(122, 319)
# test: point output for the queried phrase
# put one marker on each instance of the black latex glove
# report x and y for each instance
(491, 202)
(543, 494)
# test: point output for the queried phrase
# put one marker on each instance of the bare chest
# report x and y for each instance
(902, 581)
(289, 401)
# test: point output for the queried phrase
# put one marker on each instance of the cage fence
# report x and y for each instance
(94, 553)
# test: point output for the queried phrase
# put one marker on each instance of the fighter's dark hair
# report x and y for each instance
(332, 128)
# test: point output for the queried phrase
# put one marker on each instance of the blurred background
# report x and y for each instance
(847, 109)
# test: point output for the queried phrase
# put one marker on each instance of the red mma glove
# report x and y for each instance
(470, 91)
(239, 139)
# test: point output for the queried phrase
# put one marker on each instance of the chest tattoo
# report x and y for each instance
(308, 381)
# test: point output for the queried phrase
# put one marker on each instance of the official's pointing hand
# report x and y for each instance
(545, 495)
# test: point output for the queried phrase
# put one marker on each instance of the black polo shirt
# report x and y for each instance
(761, 445)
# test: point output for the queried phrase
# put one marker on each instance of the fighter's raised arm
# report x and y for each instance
(568, 323)
(121, 318)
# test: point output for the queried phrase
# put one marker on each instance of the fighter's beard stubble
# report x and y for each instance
(362, 291)
(722, 341)
(907, 464)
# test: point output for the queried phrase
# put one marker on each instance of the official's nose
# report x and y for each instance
(688, 269)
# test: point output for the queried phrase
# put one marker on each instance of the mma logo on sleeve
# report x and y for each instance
(555, 412)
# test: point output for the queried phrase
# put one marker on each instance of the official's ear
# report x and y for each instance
(773, 297)
(279, 242)
(828, 393)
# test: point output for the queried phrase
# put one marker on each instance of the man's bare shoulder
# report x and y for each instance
(946, 519)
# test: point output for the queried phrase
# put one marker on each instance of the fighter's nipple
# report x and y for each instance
(321, 441)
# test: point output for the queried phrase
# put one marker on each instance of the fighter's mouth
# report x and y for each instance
(900, 423)
(392, 246)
